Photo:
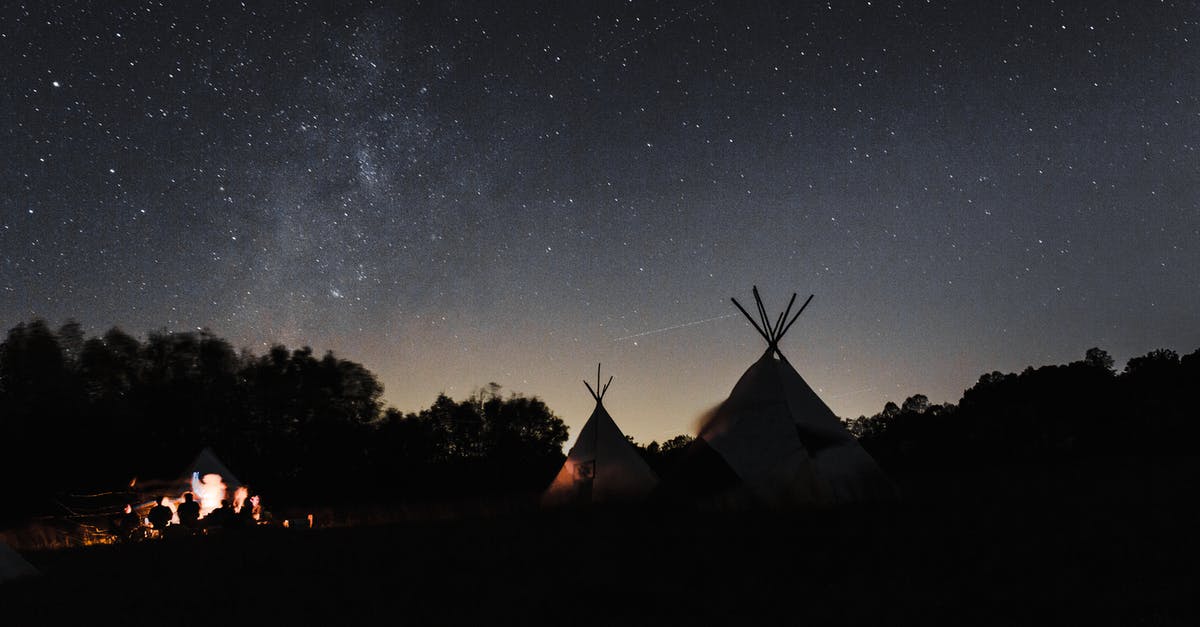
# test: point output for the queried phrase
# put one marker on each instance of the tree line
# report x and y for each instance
(88, 414)
(1081, 409)
(80, 414)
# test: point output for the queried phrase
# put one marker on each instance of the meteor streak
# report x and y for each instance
(672, 328)
(675, 17)
(852, 393)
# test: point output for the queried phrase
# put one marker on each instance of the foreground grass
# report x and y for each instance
(981, 561)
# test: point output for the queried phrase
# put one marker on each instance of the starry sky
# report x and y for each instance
(453, 193)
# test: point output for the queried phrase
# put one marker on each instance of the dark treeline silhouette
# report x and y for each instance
(661, 457)
(83, 414)
(485, 444)
(1084, 409)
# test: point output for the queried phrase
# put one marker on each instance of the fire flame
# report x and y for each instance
(210, 491)
(239, 499)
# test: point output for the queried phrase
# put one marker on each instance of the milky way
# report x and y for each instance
(458, 193)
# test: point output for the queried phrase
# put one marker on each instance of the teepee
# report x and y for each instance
(775, 441)
(207, 463)
(602, 466)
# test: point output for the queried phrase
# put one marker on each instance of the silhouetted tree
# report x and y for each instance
(81, 413)
(915, 404)
(1156, 362)
(1098, 358)
(662, 457)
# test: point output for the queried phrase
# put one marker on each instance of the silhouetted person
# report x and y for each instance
(188, 511)
(220, 517)
(129, 522)
(246, 516)
(160, 515)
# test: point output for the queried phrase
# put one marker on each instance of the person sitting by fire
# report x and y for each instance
(128, 523)
(188, 511)
(160, 515)
(221, 516)
(246, 516)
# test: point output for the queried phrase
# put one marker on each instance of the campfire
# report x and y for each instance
(124, 514)
(209, 491)
(219, 500)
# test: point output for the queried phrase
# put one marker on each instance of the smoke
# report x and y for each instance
(712, 421)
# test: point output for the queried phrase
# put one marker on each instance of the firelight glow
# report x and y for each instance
(210, 490)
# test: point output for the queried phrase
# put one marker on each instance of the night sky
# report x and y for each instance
(454, 193)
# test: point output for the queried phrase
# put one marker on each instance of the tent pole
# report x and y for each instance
(752, 322)
(784, 315)
(802, 307)
(762, 313)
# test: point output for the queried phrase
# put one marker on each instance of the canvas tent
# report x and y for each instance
(774, 441)
(12, 565)
(602, 466)
(205, 463)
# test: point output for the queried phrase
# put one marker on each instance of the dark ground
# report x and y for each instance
(1011, 547)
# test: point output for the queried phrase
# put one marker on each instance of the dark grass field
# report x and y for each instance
(1006, 548)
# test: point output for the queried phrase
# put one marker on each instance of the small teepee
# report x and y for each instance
(603, 466)
(775, 441)
(207, 463)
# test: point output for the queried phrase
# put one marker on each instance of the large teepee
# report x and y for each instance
(775, 441)
(603, 465)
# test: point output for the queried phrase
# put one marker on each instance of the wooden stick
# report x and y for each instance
(802, 307)
(752, 322)
(783, 316)
(762, 313)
